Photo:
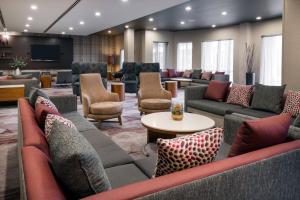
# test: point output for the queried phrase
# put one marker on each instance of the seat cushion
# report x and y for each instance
(148, 164)
(218, 108)
(124, 174)
(156, 104)
(106, 108)
(223, 151)
(200, 81)
(251, 112)
(80, 122)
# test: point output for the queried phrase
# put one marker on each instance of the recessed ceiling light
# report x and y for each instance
(213, 26)
(182, 22)
(63, 32)
(97, 14)
(71, 28)
(188, 8)
(27, 25)
(151, 19)
(125, 0)
(29, 18)
(154, 29)
(258, 18)
(126, 26)
(224, 13)
(33, 7)
(25, 30)
(109, 31)
(81, 22)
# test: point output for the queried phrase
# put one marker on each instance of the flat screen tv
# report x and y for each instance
(45, 52)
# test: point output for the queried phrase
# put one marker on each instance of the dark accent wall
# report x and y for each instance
(21, 46)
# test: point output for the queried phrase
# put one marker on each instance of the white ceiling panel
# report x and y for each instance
(113, 13)
(16, 12)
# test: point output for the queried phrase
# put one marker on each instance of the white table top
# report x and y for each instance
(191, 122)
(12, 86)
(181, 79)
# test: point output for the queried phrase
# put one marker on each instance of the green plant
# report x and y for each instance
(18, 62)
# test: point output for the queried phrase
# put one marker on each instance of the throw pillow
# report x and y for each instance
(41, 112)
(187, 151)
(172, 73)
(75, 162)
(240, 95)
(260, 133)
(196, 74)
(46, 102)
(268, 98)
(187, 74)
(292, 103)
(206, 76)
(217, 90)
(33, 95)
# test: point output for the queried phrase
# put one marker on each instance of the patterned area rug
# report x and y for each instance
(131, 137)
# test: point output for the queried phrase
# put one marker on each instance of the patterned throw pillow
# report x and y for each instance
(240, 95)
(206, 76)
(187, 74)
(41, 112)
(187, 151)
(292, 103)
(46, 102)
(50, 119)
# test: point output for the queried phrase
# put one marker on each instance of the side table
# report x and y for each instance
(172, 87)
(46, 81)
(118, 88)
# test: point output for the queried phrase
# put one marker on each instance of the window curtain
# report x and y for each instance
(271, 60)
(160, 53)
(184, 56)
(217, 56)
(122, 57)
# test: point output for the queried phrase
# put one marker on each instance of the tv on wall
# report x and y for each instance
(45, 52)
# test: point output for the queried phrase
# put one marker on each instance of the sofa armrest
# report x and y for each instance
(232, 123)
(194, 93)
(66, 103)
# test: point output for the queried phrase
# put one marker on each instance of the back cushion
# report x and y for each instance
(32, 133)
(39, 179)
(172, 73)
(217, 90)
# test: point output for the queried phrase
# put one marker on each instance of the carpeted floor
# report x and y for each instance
(131, 137)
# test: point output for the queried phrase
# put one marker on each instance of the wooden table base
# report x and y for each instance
(153, 136)
(118, 88)
(171, 86)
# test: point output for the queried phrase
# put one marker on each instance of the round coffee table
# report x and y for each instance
(161, 125)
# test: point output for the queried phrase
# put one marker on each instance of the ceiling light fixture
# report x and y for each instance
(97, 14)
(126, 26)
(224, 13)
(71, 28)
(27, 25)
(63, 32)
(154, 29)
(124, 0)
(151, 19)
(188, 8)
(213, 26)
(33, 7)
(29, 18)
(81, 22)
(25, 30)
(258, 18)
(182, 22)
(109, 32)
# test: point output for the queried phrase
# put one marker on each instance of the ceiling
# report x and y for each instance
(206, 13)
(113, 13)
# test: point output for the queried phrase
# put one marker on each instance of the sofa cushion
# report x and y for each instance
(39, 179)
(260, 133)
(110, 153)
(206, 76)
(297, 121)
(156, 104)
(187, 74)
(200, 81)
(196, 74)
(172, 73)
(251, 112)
(223, 151)
(148, 164)
(218, 108)
(75, 162)
(217, 90)
(124, 175)
(220, 73)
(240, 95)
(188, 151)
(106, 108)
(80, 122)
(292, 103)
(268, 98)
(41, 112)
(34, 94)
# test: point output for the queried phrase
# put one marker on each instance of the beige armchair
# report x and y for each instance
(97, 102)
(151, 95)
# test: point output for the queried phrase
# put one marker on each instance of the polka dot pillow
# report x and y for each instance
(240, 95)
(187, 151)
(292, 103)
(46, 102)
(50, 119)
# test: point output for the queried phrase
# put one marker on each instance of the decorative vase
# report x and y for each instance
(250, 78)
(177, 111)
(18, 72)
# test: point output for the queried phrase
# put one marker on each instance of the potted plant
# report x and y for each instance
(17, 64)
(250, 54)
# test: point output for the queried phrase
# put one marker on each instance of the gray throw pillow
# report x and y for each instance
(33, 95)
(75, 162)
(268, 98)
(196, 74)
(297, 122)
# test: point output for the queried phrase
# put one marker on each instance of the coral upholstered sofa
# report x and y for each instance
(269, 173)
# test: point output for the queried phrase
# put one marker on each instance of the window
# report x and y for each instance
(122, 58)
(217, 56)
(271, 60)
(160, 53)
(184, 56)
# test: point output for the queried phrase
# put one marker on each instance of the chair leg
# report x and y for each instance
(120, 120)
(141, 113)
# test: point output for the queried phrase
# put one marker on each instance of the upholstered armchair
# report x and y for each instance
(97, 102)
(151, 96)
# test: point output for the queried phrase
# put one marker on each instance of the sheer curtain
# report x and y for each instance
(184, 56)
(160, 53)
(217, 56)
(271, 60)
(122, 57)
